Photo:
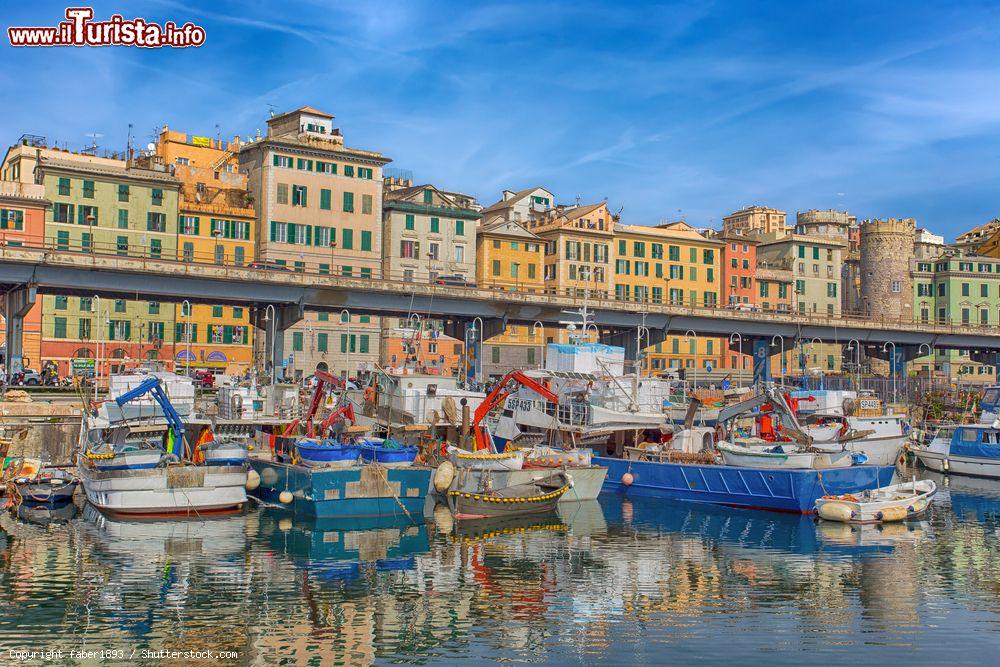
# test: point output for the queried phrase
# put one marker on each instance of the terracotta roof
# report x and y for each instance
(497, 225)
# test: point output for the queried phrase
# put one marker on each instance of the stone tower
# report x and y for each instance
(886, 251)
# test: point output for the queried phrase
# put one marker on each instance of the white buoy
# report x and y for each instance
(285, 497)
(285, 525)
(253, 480)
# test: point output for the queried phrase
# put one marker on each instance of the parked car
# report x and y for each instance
(744, 307)
(28, 378)
(267, 266)
(203, 378)
(453, 281)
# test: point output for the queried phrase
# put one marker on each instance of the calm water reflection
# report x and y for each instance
(614, 582)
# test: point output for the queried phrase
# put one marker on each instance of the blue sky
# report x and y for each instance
(686, 109)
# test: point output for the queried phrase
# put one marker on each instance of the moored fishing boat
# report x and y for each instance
(966, 449)
(536, 497)
(782, 489)
(153, 477)
(897, 502)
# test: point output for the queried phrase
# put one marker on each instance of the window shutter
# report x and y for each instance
(227, 334)
(197, 220)
(305, 192)
(274, 231)
(227, 229)
(275, 156)
(290, 233)
(309, 230)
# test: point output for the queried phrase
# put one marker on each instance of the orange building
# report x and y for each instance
(428, 352)
(22, 223)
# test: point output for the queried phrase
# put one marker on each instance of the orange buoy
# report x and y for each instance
(627, 479)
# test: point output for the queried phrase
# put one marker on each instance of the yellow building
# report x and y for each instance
(509, 257)
(674, 264)
(577, 248)
(216, 224)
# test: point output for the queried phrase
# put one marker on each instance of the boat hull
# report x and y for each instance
(587, 481)
(43, 493)
(959, 465)
(778, 489)
(357, 491)
(880, 451)
(170, 490)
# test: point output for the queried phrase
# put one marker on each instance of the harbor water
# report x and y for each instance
(616, 581)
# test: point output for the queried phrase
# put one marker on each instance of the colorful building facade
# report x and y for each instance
(106, 205)
(216, 224)
(675, 264)
(22, 223)
(318, 206)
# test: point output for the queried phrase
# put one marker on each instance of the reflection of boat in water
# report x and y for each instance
(484, 529)
(872, 534)
(746, 529)
(143, 540)
(44, 514)
(971, 498)
(343, 549)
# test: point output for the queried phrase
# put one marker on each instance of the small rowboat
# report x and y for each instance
(327, 453)
(509, 459)
(898, 502)
(537, 497)
(548, 457)
(49, 486)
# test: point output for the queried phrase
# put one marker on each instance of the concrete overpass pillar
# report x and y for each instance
(472, 332)
(16, 304)
(274, 322)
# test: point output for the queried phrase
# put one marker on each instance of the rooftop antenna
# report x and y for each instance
(270, 110)
(578, 200)
(128, 146)
(94, 136)
(218, 132)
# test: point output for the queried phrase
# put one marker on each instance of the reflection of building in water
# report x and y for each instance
(889, 589)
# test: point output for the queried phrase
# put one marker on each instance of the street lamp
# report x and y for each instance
(687, 338)
(479, 353)
(97, 344)
(930, 353)
(333, 247)
(186, 312)
(347, 361)
(642, 331)
(855, 345)
(739, 337)
(270, 315)
(892, 366)
(781, 357)
(534, 329)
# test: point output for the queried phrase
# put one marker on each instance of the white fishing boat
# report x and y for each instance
(511, 459)
(785, 455)
(839, 420)
(171, 489)
(121, 475)
(968, 449)
(898, 502)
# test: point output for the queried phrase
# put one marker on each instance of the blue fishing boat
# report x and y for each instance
(387, 452)
(781, 489)
(967, 449)
(327, 453)
(355, 491)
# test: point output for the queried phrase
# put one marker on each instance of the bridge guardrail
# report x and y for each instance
(46, 254)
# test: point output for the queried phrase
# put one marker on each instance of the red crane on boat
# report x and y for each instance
(498, 395)
(324, 380)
